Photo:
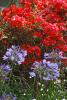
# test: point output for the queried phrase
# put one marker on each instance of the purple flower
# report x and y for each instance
(47, 56)
(5, 68)
(32, 74)
(9, 96)
(54, 55)
(45, 70)
(15, 54)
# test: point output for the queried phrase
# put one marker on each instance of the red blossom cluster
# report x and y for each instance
(45, 22)
(34, 53)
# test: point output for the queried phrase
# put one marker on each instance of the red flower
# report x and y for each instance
(32, 50)
(60, 37)
(5, 41)
(29, 60)
(26, 62)
(13, 8)
(19, 11)
(37, 35)
(49, 41)
(1, 35)
(64, 49)
(37, 51)
(40, 5)
(5, 11)
(17, 21)
(65, 39)
(6, 19)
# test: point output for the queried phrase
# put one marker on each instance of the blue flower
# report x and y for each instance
(15, 54)
(45, 70)
(47, 56)
(32, 74)
(5, 68)
(54, 55)
(9, 96)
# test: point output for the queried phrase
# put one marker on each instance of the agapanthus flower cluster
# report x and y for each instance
(57, 55)
(15, 54)
(8, 97)
(46, 70)
(4, 70)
